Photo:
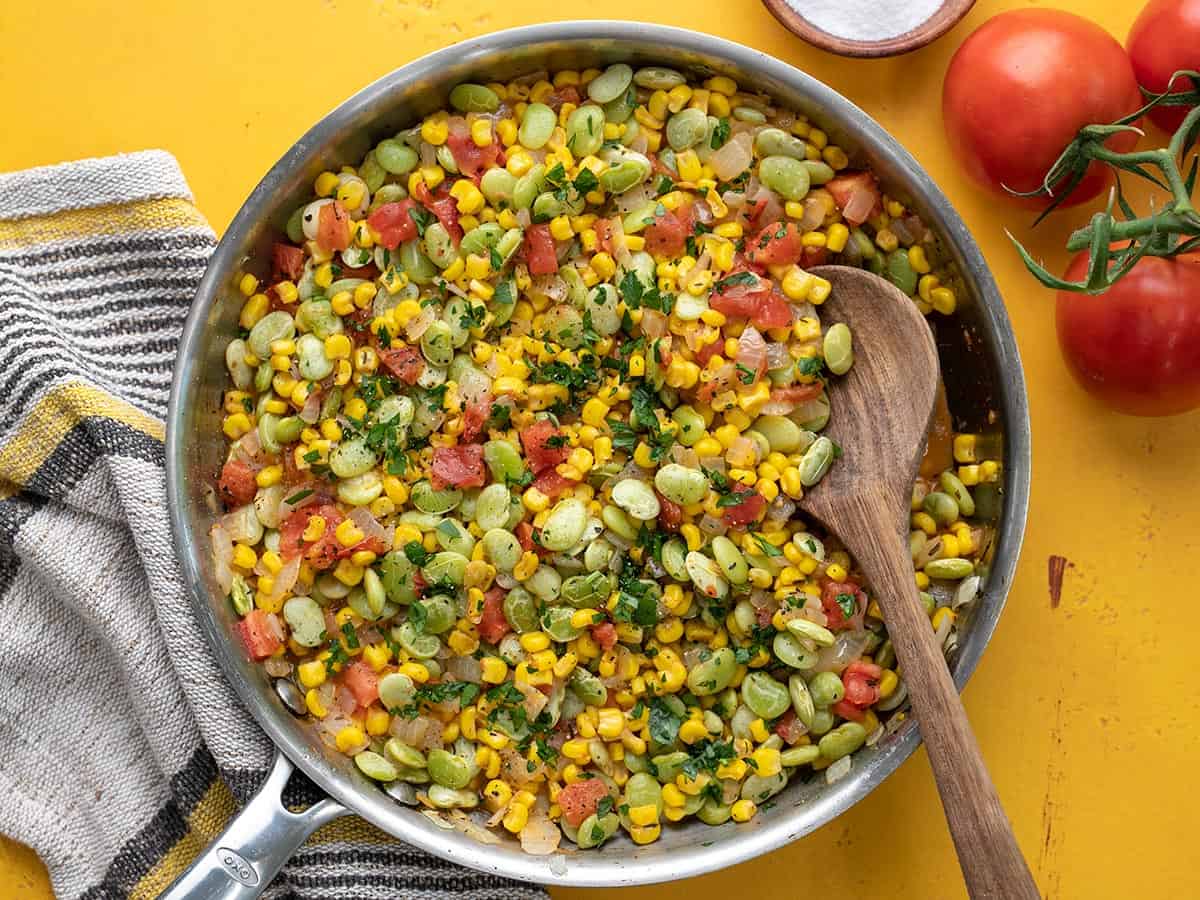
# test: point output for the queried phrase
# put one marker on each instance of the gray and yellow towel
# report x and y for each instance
(122, 750)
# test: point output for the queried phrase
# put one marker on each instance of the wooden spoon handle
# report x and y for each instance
(991, 861)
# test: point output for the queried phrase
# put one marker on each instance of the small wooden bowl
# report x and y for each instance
(929, 30)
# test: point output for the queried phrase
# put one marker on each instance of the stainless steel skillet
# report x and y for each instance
(978, 355)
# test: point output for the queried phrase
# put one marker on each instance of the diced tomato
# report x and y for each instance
(287, 262)
(258, 636)
(749, 510)
(333, 227)
(659, 167)
(829, 602)
(861, 681)
(605, 634)
(539, 250)
(471, 159)
(797, 393)
(292, 473)
(394, 223)
(708, 351)
(476, 415)
(604, 230)
(671, 514)
(790, 728)
(668, 235)
(539, 441)
(814, 256)
(374, 544)
(579, 799)
(292, 528)
(565, 94)
(406, 363)
(237, 485)
(856, 195)
(848, 710)
(421, 192)
(446, 210)
(766, 309)
(552, 484)
(524, 533)
(493, 625)
(460, 466)
(360, 679)
(776, 244)
(763, 615)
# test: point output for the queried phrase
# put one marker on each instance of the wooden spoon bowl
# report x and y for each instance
(951, 12)
(881, 413)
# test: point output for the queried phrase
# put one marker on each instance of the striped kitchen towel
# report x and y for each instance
(122, 749)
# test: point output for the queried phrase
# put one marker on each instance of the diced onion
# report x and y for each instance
(734, 158)
(222, 550)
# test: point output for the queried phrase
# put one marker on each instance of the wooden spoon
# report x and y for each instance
(881, 413)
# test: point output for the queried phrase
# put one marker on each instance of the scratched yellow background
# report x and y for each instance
(1085, 712)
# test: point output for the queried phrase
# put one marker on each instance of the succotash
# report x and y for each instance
(519, 414)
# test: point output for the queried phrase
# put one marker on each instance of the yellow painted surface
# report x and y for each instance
(1084, 712)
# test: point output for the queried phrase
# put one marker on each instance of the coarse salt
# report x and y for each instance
(866, 20)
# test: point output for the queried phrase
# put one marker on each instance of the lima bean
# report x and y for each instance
(585, 129)
(952, 485)
(802, 701)
(636, 498)
(476, 98)
(537, 126)
(838, 348)
(397, 690)
(711, 676)
(777, 142)
(706, 574)
(306, 620)
(375, 766)
(842, 741)
(610, 83)
(952, 568)
(681, 484)
(826, 689)
(687, 128)
(765, 696)
(729, 558)
(785, 176)
(816, 461)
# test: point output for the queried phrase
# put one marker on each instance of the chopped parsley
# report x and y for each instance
(417, 554)
(351, 637)
(664, 723)
(746, 375)
(810, 366)
(730, 493)
(297, 497)
(707, 756)
(422, 218)
(847, 604)
(737, 279)
(664, 186)
(766, 546)
(720, 133)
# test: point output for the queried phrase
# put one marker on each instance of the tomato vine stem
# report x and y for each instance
(1169, 231)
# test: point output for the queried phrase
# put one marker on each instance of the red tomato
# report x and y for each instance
(1136, 348)
(237, 485)
(333, 227)
(604, 230)
(524, 533)
(708, 351)
(789, 728)
(605, 634)
(552, 484)
(476, 415)
(749, 510)
(775, 244)
(671, 516)
(471, 159)
(848, 711)
(421, 193)
(539, 250)
(579, 799)
(861, 681)
(668, 235)
(829, 602)
(1022, 85)
(814, 256)
(446, 210)
(766, 309)
(394, 223)
(1164, 39)
(360, 679)
(493, 625)
(287, 262)
(406, 363)
(856, 195)
(797, 393)
(292, 528)
(538, 441)
(460, 466)
(257, 634)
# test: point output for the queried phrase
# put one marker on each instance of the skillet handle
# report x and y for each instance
(256, 844)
